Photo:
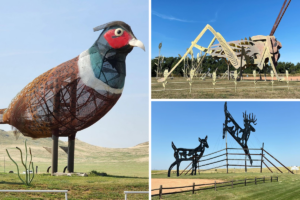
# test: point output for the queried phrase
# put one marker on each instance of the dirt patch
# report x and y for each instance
(156, 182)
(291, 78)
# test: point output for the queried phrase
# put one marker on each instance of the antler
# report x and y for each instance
(250, 118)
(253, 119)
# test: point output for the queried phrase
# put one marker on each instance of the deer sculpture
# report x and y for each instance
(183, 154)
(236, 129)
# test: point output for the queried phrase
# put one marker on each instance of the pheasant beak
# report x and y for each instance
(136, 43)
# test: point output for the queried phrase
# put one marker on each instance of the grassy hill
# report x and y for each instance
(131, 161)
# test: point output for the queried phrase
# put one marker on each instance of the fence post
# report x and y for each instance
(232, 184)
(215, 186)
(255, 180)
(271, 179)
(245, 181)
(160, 191)
(262, 154)
(264, 179)
(194, 188)
(277, 178)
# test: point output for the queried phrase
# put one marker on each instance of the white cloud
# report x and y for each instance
(215, 19)
(169, 17)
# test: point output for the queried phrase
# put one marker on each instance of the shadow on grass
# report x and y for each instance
(116, 176)
(94, 173)
(10, 183)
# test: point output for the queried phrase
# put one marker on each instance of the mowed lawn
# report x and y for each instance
(127, 169)
(288, 186)
(91, 187)
(179, 88)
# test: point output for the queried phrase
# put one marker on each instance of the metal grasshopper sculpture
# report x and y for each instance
(183, 154)
(236, 129)
(261, 49)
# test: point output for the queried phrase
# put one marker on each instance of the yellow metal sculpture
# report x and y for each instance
(262, 49)
(214, 76)
(235, 77)
(254, 76)
(190, 80)
(166, 72)
(287, 78)
(272, 75)
(160, 60)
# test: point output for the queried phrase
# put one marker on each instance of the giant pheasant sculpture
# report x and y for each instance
(75, 94)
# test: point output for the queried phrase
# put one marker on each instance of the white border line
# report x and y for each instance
(150, 100)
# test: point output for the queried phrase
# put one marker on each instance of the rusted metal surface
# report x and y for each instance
(75, 94)
(32, 112)
(279, 17)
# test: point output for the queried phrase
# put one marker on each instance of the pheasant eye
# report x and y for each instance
(119, 32)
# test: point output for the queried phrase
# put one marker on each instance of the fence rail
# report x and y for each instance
(261, 155)
(135, 192)
(236, 182)
(40, 191)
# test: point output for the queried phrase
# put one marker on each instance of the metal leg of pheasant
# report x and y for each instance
(54, 152)
(55, 132)
(71, 150)
(71, 138)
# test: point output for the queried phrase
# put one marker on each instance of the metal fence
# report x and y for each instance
(135, 192)
(213, 185)
(40, 191)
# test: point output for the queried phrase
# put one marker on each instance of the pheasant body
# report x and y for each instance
(75, 94)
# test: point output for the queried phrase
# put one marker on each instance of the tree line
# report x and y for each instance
(210, 63)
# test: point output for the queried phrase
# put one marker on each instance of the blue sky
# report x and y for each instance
(39, 35)
(177, 23)
(183, 122)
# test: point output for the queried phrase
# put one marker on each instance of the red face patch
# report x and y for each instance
(117, 42)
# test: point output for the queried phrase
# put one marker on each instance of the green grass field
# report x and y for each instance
(126, 168)
(286, 188)
(179, 88)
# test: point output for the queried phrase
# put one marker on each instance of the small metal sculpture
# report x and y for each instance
(28, 179)
(254, 76)
(236, 129)
(165, 82)
(235, 77)
(190, 80)
(182, 154)
(160, 60)
(287, 78)
(214, 76)
(272, 75)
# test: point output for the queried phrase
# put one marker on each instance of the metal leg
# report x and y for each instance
(71, 150)
(178, 164)
(54, 154)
